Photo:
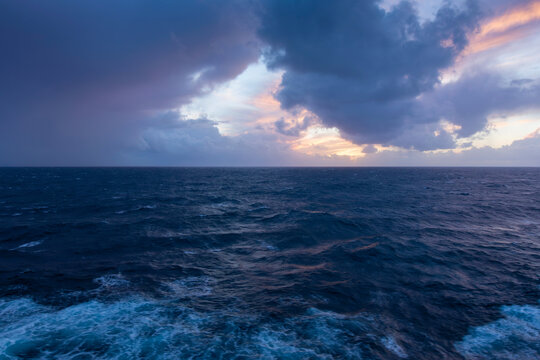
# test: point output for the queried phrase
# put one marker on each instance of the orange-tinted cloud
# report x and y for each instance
(515, 24)
(533, 135)
(515, 17)
(326, 142)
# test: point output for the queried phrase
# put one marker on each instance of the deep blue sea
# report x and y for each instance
(269, 263)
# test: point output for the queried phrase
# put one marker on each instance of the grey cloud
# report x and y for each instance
(293, 129)
(522, 152)
(81, 79)
(375, 74)
(358, 67)
(369, 149)
(83, 83)
(469, 101)
(174, 141)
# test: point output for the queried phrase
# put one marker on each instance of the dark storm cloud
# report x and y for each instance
(78, 78)
(374, 74)
(358, 67)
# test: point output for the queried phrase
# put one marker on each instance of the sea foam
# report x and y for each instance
(515, 336)
(138, 327)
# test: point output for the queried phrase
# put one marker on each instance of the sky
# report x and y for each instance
(270, 83)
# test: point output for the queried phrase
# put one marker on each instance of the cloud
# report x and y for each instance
(172, 140)
(80, 79)
(369, 149)
(293, 129)
(510, 24)
(358, 67)
(523, 152)
(469, 101)
(99, 83)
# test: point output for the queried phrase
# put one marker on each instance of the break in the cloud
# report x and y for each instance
(267, 82)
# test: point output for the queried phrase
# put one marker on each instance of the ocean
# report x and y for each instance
(269, 263)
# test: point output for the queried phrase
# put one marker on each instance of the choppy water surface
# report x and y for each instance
(270, 263)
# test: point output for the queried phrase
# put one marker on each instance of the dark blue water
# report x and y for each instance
(364, 263)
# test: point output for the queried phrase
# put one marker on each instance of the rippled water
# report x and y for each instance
(369, 263)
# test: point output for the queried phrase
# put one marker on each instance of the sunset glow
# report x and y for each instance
(254, 89)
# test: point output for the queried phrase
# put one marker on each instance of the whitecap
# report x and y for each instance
(29, 244)
(15, 309)
(137, 327)
(193, 286)
(314, 335)
(128, 329)
(390, 343)
(111, 281)
(164, 233)
(515, 336)
(269, 247)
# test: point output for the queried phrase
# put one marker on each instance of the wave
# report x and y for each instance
(239, 262)
(28, 245)
(138, 327)
(515, 336)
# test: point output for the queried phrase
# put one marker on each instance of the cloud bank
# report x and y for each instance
(81, 78)
(358, 67)
(100, 83)
(375, 74)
